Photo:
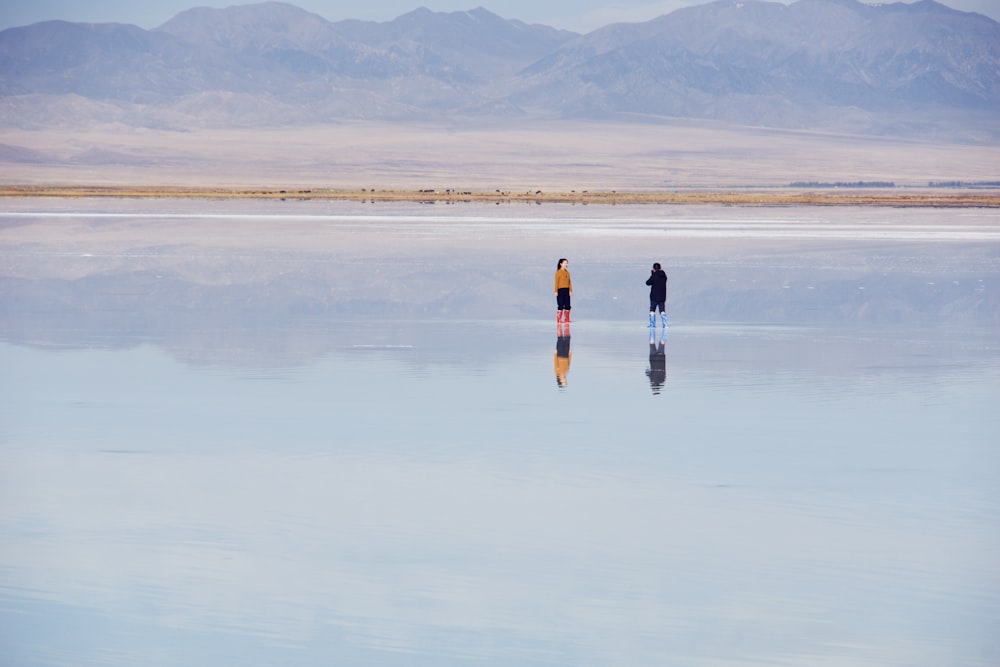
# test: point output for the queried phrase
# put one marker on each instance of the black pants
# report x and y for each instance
(562, 299)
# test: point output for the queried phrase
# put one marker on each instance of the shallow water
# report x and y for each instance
(320, 435)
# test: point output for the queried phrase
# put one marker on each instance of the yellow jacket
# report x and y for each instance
(563, 280)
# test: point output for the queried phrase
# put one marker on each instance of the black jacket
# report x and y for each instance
(658, 286)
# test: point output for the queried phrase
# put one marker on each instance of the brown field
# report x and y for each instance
(784, 197)
(548, 161)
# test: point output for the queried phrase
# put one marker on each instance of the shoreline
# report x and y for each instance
(731, 197)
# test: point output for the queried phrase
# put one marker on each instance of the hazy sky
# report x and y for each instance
(579, 15)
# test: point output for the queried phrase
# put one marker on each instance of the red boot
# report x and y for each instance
(566, 317)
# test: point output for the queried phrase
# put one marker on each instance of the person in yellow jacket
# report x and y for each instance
(564, 289)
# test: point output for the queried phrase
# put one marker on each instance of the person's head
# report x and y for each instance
(562, 262)
(656, 266)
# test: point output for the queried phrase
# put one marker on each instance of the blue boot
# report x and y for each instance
(652, 320)
(663, 318)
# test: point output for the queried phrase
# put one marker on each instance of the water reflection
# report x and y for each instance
(493, 520)
(563, 354)
(224, 451)
(657, 371)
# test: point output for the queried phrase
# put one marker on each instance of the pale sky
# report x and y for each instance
(578, 15)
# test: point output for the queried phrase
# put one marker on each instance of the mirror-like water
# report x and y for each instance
(310, 434)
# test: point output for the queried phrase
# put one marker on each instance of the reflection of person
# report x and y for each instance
(657, 372)
(563, 289)
(657, 282)
(562, 355)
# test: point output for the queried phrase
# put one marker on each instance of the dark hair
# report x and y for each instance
(656, 266)
(559, 263)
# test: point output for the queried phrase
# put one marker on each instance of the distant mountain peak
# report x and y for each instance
(812, 63)
(256, 27)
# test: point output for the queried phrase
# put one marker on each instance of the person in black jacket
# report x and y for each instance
(657, 282)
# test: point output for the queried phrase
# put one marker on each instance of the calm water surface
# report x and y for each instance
(226, 448)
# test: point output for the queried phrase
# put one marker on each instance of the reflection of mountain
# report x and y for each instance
(906, 291)
(871, 298)
(286, 320)
(277, 284)
(123, 308)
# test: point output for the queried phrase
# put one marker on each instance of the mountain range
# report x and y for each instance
(887, 69)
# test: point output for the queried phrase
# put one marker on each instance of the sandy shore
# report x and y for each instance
(782, 197)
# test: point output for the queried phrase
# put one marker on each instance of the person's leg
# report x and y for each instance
(564, 303)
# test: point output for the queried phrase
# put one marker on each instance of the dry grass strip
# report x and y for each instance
(963, 199)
